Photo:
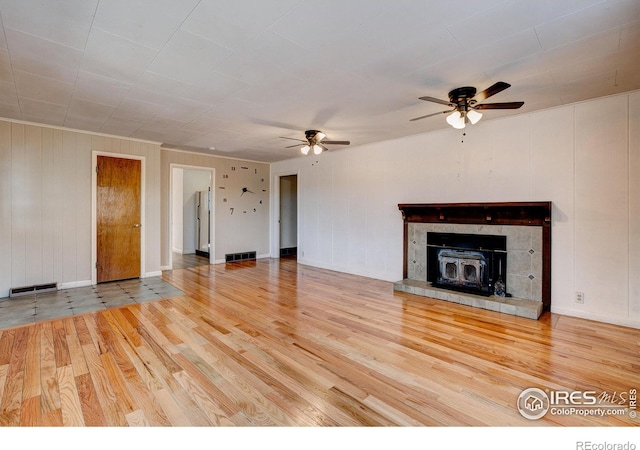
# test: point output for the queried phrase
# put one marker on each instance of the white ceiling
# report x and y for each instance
(237, 75)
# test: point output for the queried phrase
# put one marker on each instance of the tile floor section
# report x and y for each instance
(15, 311)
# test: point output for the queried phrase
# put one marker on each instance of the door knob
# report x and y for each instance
(137, 225)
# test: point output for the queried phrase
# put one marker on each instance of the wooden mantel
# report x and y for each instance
(507, 213)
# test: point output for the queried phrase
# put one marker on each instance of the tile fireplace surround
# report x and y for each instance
(528, 230)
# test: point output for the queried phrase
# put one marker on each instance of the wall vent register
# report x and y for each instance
(34, 289)
(243, 256)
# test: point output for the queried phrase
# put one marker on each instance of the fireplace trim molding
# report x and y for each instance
(505, 213)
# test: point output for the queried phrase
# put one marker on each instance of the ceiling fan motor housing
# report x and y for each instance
(311, 134)
(462, 97)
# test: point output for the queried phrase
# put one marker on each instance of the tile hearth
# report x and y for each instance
(530, 309)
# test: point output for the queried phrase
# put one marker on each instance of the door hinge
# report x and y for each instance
(96, 264)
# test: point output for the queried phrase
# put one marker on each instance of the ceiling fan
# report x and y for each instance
(314, 141)
(466, 104)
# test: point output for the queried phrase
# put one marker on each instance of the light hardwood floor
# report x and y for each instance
(271, 342)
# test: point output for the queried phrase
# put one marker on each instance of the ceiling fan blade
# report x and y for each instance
(324, 149)
(508, 105)
(491, 90)
(430, 115)
(436, 100)
(291, 146)
(293, 139)
(337, 142)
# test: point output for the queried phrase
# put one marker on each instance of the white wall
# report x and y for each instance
(583, 157)
(45, 203)
(634, 206)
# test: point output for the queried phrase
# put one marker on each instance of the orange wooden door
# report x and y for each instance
(118, 218)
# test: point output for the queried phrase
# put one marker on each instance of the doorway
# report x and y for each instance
(288, 215)
(192, 215)
(118, 218)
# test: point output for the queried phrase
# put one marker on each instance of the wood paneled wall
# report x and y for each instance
(45, 203)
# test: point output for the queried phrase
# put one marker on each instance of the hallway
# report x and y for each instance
(181, 261)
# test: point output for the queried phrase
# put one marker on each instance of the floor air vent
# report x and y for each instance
(244, 256)
(291, 251)
(35, 289)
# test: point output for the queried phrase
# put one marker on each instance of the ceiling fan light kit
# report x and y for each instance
(474, 116)
(456, 120)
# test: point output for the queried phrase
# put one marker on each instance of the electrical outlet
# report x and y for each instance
(580, 297)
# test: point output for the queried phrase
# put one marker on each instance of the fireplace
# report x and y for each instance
(472, 263)
(513, 234)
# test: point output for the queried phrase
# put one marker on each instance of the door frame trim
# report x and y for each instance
(94, 209)
(212, 212)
